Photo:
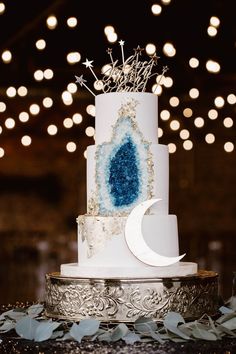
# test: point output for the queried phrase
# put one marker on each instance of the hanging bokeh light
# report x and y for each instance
(6, 56)
(156, 9)
(228, 146)
(210, 138)
(72, 22)
(165, 114)
(172, 148)
(228, 122)
(174, 101)
(26, 140)
(40, 44)
(71, 146)
(187, 145)
(193, 63)
(51, 22)
(34, 109)
(212, 114)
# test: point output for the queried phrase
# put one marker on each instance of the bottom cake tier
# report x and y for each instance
(125, 300)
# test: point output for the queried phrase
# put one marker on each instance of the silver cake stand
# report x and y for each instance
(127, 299)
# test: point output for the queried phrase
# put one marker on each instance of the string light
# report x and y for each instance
(187, 144)
(90, 131)
(47, 102)
(168, 82)
(2, 8)
(77, 118)
(112, 37)
(24, 117)
(51, 22)
(34, 109)
(72, 22)
(174, 125)
(184, 134)
(108, 30)
(6, 56)
(194, 93)
(22, 91)
(40, 44)
(150, 48)
(106, 69)
(165, 114)
(174, 101)
(26, 140)
(172, 148)
(52, 129)
(98, 85)
(85, 154)
(71, 146)
(199, 122)
(90, 109)
(11, 91)
(156, 9)
(228, 122)
(10, 123)
(231, 98)
(193, 63)
(0, 129)
(157, 89)
(68, 123)
(187, 112)
(229, 146)
(2, 107)
(219, 102)
(212, 31)
(2, 152)
(67, 98)
(38, 75)
(212, 66)
(48, 74)
(169, 50)
(73, 57)
(212, 114)
(72, 87)
(210, 138)
(214, 21)
(165, 2)
(159, 132)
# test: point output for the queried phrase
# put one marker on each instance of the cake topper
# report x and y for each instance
(130, 76)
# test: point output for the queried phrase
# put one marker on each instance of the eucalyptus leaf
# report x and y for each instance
(89, 326)
(203, 334)
(4, 315)
(7, 326)
(44, 330)
(227, 331)
(226, 317)
(57, 334)
(26, 327)
(35, 310)
(145, 325)
(131, 338)
(16, 315)
(230, 324)
(66, 336)
(224, 310)
(119, 332)
(105, 337)
(171, 322)
(156, 336)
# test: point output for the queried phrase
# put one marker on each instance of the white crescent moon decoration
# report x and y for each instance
(136, 242)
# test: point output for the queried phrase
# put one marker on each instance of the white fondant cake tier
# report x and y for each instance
(160, 158)
(107, 107)
(101, 240)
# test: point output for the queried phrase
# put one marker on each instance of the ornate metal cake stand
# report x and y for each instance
(125, 300)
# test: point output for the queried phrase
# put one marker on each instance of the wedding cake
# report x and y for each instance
(128, 245)
(126, 166)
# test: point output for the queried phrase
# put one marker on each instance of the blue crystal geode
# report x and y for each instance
(122, 169)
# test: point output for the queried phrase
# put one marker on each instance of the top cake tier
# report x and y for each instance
(107, 113)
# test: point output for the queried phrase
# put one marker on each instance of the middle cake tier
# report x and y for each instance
(120, 178)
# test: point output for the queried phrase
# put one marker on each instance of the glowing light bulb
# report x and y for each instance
(169, 50)
(157, 89)
(165, 114)
(34, 109)
(73, 57)
(26, 140)
(172, 148)
(106, 69)
(160, 132)
(174, 125)
(112, 37)
(187, 112)
(72, 87)
(168, 82)
(212, 31)
(214, 21)
(2, 8)
(72, 22)
(212, 66)
(219, 102)
(199, 122)
(184, 134)
(194, 63)
(85, 154)
(71, 146)
(210, 138)
(22, 91)
(187, 144)
(229, 146)
(91, 110)
(228, 122)
(51, 22)
(40, 44)
(68, 123)
(194, 93)
(47, 102)
(11, 91)
(66, 97)
(174, 101)
(212, 114)
(24, 117)
(10, 123)
(231, 98)
(77, 118)
(6, 56)
(48, 74)
(2, 107)
(38, 75)
(90, 131)
(108, 30)
(2, 152)
(52, 129)
(166, 2)
(98, 85)
(0, 129)
(156, 9)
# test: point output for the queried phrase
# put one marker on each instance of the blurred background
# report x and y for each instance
(46, 123)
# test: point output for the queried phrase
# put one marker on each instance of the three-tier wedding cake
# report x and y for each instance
(128, 252)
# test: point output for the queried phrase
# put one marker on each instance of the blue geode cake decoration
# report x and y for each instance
(124, 166)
